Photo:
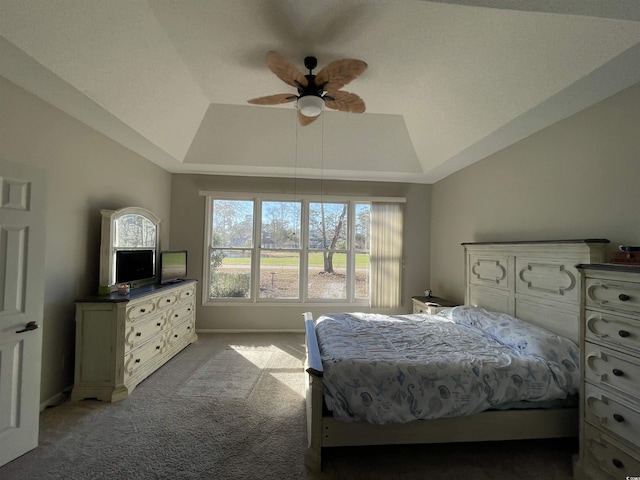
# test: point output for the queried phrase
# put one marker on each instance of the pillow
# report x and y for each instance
(522, 336)
(446, 312)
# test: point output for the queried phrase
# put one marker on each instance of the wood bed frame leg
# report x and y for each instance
(313, 454)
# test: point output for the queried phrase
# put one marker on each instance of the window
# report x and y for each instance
(282, 250)
(231, 252)
(328, 250)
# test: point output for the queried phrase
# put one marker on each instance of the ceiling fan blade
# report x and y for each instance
(340, 72)
(285, 70)
(273, 99)
(344, 101)
(304, 120)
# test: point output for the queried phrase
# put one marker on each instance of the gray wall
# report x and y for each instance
(187, 231)
(576, 179)
(579, 178)
(86, 172)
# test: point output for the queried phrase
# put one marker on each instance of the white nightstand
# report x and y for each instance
(430, 305)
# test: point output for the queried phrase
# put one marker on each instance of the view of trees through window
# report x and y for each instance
(331, 264)
(135, 231)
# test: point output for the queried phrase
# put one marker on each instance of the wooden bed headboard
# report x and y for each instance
(534, 281)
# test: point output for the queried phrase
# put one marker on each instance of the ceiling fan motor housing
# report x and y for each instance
(310, 63)
(311, 88)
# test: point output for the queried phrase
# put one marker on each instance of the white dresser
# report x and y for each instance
(610, 369)
(121, 340)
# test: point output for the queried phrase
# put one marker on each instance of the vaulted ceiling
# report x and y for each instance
(449, 82)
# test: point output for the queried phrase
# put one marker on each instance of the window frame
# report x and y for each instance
(305, 200)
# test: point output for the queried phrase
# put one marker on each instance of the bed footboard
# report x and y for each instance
(313, 367)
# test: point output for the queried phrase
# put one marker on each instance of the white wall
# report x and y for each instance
(86, 172)
(187, 214)
(576, 179)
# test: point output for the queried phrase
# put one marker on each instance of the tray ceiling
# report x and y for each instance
(448, 83)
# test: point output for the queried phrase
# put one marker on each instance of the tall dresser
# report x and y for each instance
(610, 372)
(121, 340)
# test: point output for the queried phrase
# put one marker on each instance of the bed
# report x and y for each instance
(537, 282)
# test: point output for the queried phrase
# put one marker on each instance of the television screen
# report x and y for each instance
(132, 265)
(173, 266)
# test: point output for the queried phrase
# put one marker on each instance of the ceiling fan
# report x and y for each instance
(315, 91)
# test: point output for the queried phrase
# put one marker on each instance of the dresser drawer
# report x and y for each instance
(606, 367)
(610, 414)
(613, 330)
(187, 293)
(137, 311)
(613, 295)
(605, 453)
(141, 332)
(167, 300)
(139, 358)
(180, 332)
(181, 312)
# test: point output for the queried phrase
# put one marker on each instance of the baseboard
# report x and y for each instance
(56, 399)
(244, 330)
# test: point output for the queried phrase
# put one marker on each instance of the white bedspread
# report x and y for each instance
(396, 369)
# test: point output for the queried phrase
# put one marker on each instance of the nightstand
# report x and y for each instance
(430, 305)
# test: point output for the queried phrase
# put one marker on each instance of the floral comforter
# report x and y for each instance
(396, 369)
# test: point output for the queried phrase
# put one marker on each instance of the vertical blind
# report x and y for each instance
(386, 254)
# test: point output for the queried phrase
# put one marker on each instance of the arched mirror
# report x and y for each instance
(129, 247)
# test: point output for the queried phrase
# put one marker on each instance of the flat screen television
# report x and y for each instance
(173, 266)
(133, 265)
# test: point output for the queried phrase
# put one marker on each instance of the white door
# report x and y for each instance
(22, 235)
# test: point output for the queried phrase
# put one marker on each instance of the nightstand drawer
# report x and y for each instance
(430, 305)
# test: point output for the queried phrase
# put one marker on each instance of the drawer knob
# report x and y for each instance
(617, 463)
(617, 372)
(168, 299)
(624, 297)
(142, 310)
(158, 324)
(137, 360)
(157, 347)
(618, 418)
(139, 334)
(623, 333)
(175, 336)
(176, 316)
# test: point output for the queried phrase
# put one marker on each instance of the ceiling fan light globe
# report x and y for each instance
(310, 105)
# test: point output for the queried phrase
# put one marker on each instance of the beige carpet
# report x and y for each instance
(231, 406)
(232, 373)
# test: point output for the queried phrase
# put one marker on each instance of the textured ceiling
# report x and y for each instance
(449, 82)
